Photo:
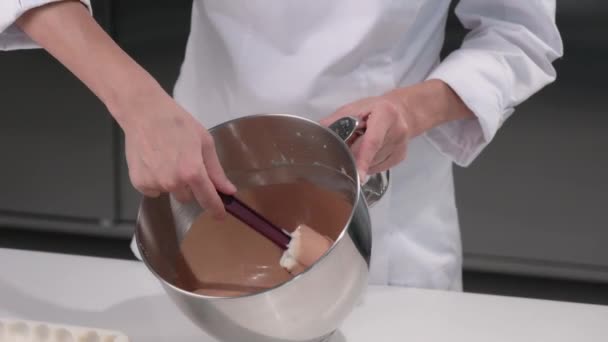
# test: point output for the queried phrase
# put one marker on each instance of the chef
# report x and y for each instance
(376, 59)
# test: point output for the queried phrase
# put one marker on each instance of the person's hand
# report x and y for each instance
(390, 120)
(387, 130)
(384, 143)
(168, 150)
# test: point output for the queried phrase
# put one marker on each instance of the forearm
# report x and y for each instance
(67, 31)
(429, 104)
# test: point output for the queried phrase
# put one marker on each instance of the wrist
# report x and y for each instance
(429, 104)
(126, 96)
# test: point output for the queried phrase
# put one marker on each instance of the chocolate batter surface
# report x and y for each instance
(226, 258)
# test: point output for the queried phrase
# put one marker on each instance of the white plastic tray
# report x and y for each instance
(30, 331)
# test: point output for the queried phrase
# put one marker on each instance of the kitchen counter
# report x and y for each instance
(123, 295)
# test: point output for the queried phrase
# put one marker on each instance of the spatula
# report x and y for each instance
(254, 220)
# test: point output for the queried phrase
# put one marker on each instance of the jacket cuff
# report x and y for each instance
(11, 37)
(463, 140)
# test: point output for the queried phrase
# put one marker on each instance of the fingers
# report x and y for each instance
(172, 152)
(149, 192)
(382, 155)
(341, 112)
(205, 193)
(397, 155)
(192, 182)
(357, 109)
(378, 118)
(392, 140)
(183, 194)
(202, 177)
(185, 185)
(371, 142)
(393, 151)
(146, 187)
(215, 170)
(143, 181)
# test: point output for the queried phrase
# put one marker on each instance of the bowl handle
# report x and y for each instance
(349, 129)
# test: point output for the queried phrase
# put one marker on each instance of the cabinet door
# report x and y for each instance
(56, 144)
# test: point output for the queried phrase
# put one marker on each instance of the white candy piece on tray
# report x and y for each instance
(32, 331)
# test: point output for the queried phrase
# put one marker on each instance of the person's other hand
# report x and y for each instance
(387, 130)
(390, 120)
(168, 150)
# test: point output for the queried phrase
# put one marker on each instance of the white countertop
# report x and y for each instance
(123, 295)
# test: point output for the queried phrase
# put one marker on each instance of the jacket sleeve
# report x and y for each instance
(505, 58)
(11, 37)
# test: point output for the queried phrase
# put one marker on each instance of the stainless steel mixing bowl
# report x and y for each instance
(270, 149)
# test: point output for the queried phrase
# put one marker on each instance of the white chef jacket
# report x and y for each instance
(310, 57)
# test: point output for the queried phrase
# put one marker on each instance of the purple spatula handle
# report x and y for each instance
(254, 220)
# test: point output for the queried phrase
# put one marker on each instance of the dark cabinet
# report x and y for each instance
(57, 146)
(535, 201)
(56, 142)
